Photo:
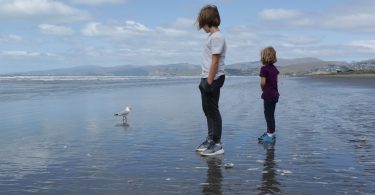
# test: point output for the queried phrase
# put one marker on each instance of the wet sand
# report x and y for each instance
(60, 137)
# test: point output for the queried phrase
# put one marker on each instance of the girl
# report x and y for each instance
(268, 83)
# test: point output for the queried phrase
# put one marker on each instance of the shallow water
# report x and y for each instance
(59, 136)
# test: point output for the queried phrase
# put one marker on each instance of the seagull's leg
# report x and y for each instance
(123, 119)
(126, 119)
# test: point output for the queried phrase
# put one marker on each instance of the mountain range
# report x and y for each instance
(298, 66)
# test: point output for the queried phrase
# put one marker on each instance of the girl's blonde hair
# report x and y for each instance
(209, 15)
(268, 56)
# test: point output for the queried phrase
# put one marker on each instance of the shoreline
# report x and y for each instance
(348, 75)
(355, 79)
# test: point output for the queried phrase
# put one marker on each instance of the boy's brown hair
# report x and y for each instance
(268, 56)
(209, 15)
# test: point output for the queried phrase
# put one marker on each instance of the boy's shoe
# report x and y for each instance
(268, 138)
(213, 149)
(204, 145)
(260, 138)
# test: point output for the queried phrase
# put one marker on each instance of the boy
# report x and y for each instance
(212, 80)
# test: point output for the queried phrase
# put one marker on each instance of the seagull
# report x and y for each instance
(124, 114)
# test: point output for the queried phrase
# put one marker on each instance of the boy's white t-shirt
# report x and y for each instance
(215, 44)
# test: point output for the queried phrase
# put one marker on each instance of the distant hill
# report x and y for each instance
(296, 67)
(287, 62)
(317, 67)
(371, 61)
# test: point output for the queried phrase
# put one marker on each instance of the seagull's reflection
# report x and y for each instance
(269, 183)
(214, 176)
(123, 125)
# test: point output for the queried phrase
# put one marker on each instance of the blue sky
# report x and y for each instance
(48, 34)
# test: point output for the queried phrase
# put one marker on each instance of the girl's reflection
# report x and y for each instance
(269, 182)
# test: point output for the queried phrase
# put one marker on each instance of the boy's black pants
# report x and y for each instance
(269, 113)
(210, 104)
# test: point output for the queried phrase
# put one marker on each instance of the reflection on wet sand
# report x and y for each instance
(58, 136)
(214, 176)
(123, 125)
(269, 183)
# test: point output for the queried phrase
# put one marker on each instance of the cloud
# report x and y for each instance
(19, 53)
(140, 44)
(40, 10)
(171, 32)
(183, 23)
(56, 30)
(279, 14)
(115, 30)
(132, 25)
(356, 16)
(367, 45)
(133, 40)
(11, 39)
(180, 27)
(98, 2)
(355, 22)
(298, 39)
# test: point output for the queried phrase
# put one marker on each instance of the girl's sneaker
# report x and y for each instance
(204, 145)
(268, 138)
(260, 138)
(213, 149)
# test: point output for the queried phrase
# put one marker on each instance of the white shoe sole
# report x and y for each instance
(213, 154)
(200, 150)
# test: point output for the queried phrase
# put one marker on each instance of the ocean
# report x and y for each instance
(59, 135)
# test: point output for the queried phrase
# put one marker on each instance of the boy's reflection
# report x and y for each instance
(214, 176)
(269, 182)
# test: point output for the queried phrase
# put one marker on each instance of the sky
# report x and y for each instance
(52, 34)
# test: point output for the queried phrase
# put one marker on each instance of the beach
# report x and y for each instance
(60, 136)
